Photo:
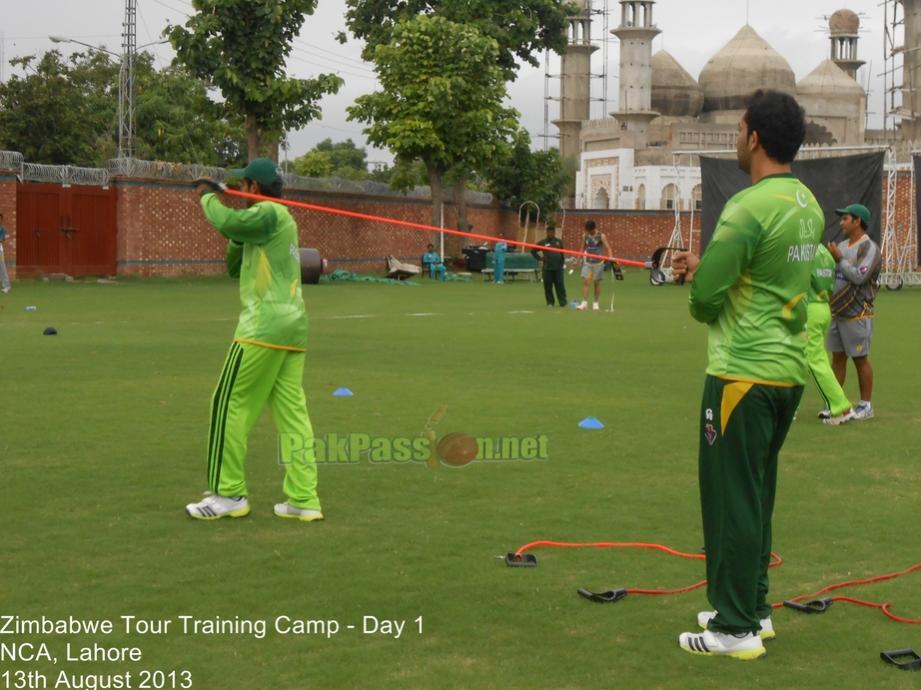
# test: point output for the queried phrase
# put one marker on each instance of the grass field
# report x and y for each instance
(102, 443)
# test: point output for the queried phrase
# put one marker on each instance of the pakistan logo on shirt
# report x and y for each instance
(709, 429)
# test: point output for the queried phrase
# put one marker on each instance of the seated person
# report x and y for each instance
(431, 260)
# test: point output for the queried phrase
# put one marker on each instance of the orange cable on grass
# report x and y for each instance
(776, 560)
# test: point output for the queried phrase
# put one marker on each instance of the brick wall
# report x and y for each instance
(8, 209)
(162, 231)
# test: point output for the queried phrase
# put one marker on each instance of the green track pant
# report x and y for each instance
(743, 426)
(819, 317)
(254, 376)
(553, 278)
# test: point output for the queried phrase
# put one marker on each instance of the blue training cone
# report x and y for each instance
(342, 393)
(591, 423)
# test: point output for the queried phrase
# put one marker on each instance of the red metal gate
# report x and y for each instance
(68, 230)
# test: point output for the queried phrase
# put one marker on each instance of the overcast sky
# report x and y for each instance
(795, 28)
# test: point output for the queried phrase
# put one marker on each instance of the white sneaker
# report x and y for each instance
(286, 510)
(596, 307)
(863, 410)
(840, 419)
(746, 647)
(6, 290)
(824, 414)
(215, 507)
(767, 627)
(582, 306)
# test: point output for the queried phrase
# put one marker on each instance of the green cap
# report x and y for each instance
(262, 170)
(856, 210)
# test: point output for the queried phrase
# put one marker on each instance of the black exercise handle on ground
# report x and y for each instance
(912, 660)
(814, 606)
(524, 560)
(611, 596)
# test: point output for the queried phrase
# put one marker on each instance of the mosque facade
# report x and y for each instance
(628, 161)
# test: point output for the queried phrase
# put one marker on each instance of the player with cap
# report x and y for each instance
(265, 364)
(858, 262)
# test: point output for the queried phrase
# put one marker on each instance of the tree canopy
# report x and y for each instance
(241, 46)
(522, 29)
(519, 174)
(341, 159)
(441, 98)
(65, 111)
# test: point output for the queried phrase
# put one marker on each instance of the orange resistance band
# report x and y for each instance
(432, 228)
(776, 561)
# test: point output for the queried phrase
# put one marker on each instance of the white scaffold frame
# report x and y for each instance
(900, 241)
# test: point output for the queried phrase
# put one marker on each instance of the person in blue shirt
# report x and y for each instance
(501, 248)
(432, 260)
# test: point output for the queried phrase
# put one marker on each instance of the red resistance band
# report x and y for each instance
(432, 228)
(776, 561)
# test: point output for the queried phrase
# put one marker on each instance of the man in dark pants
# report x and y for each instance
(750, 288)
(553, 267)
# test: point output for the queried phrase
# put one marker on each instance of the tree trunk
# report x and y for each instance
(460, 199)
(269, 147)
(253, 137)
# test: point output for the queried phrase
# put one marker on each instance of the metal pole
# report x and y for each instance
(441, 224)
(126, 82)
(546, 100)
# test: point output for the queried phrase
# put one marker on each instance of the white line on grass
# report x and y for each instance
(349, 316)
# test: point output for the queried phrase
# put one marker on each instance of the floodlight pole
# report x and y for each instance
(125, 76)
(126, 82)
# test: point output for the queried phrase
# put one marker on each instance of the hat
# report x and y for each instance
(262, 170)
(856, 210)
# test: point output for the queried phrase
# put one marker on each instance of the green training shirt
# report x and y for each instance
(753, 279)
(553, 261)
(263, 252)
(822, 281)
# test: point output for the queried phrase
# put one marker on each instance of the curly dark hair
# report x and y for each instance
(779, 121)
(590, 225)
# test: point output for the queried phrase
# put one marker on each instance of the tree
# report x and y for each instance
(342, 159)
(441, 100)
(240, 46)
(65, 111)
(521, 29)
(176, 121)
(402, 176)
(520, 174)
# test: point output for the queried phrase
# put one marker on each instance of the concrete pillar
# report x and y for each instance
(575, 82)
(844, 53)
(635, 81)
(911, 72)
